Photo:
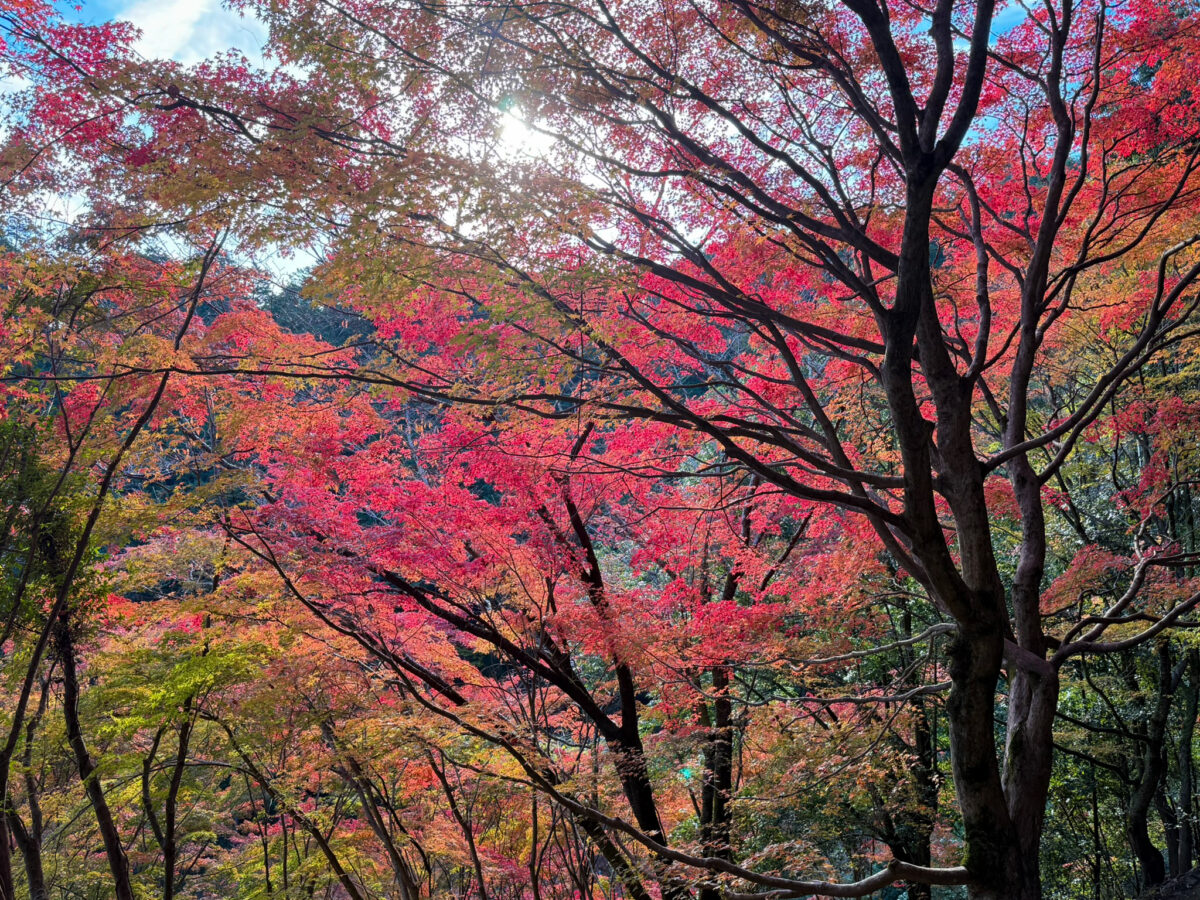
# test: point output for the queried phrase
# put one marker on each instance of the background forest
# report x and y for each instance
(588, 449)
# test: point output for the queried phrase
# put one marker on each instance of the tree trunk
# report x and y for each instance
(170, 845)
(29, 839)
(29, 843)
(354, 775)
(993, 852)
(1170, 824)
(968, 588)
(1186, 803)
(113, 849)
(911, 832)
(1028, 760)
(1149, 857)
(463, 824)
(718, 777)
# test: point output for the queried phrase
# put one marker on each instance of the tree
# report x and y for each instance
(753, 215)
(858, 280)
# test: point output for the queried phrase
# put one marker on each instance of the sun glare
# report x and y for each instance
(518, 139)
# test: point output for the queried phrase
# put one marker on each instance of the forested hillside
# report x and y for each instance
(595, 449)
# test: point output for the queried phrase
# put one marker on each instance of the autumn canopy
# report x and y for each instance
(596, 449)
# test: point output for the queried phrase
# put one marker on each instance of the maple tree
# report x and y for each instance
(667, 501)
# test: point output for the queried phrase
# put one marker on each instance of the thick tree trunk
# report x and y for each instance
(1028, 759)
(969, 589)
(993, 851)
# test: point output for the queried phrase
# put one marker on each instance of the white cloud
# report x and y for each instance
(190, 30)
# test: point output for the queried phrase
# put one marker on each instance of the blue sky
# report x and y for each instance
(190, 30)
(185, 30)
